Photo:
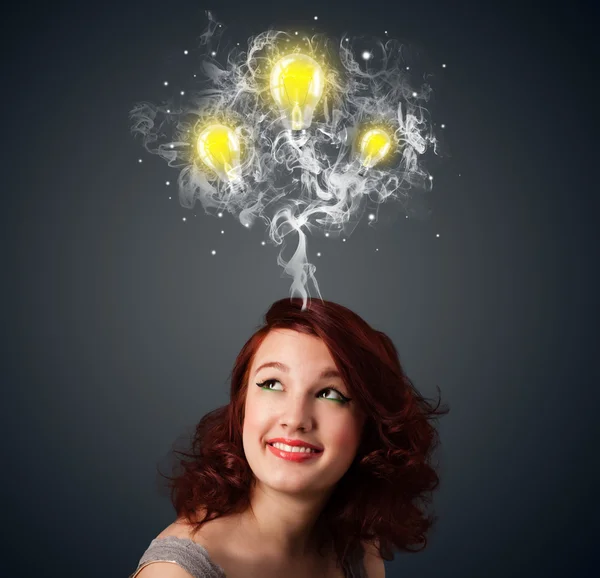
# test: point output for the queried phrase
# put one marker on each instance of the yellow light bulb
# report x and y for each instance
(219, 149)
(297, 82)
(374, 145)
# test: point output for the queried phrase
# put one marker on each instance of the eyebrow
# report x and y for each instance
(328, 373)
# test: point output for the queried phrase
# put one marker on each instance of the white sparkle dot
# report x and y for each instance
(414, 94)
(430, 178)
(169, 198)
(443, 126)
(182, 93)
(262, 242)
(172, 146)
(222, 232)
(371, 217)
(407, 216)
(166, 83)
(220, 214)
(438, 235)
(140, 160)
(316, 17)
(184, 218)
(386, 31)
(408, 68)
(213, 252)
(168, 183)
(238, 43)
(443, 66)
(213, 53)
(168, 110)
(318, 254)
(376, 249)
(343, 240)
(366, 55)
(194, 76)
(327, 234)
(185, 51)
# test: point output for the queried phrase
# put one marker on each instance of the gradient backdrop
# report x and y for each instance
(120, 327)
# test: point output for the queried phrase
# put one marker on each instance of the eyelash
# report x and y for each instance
(343, 401)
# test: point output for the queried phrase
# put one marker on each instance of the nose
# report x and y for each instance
(297, 415)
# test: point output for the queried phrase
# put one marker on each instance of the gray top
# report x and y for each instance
(194, 559)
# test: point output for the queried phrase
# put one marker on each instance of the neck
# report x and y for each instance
(283, 525)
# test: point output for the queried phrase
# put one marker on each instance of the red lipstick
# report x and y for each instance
(294, 456)
(295, 443)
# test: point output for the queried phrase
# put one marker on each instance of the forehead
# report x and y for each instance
(289, 346)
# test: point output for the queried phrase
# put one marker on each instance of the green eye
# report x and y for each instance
(342, 398)
(265, 384)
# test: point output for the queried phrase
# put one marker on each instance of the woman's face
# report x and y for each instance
(298, 404)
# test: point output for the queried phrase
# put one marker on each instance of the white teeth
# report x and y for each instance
(294, 449)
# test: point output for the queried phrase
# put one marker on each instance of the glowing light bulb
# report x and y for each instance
(374, 146)
(297, 82)
(219, 149)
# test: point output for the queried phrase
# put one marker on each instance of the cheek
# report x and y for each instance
(255, 421)
(344, 434)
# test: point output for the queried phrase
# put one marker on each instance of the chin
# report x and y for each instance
(292, 478)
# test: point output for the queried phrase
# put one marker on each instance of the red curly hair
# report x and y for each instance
(381, 498)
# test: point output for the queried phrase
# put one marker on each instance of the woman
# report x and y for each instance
(249, 505)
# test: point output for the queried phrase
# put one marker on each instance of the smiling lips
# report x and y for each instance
(294, 443)
(294, 449)
(294, 456)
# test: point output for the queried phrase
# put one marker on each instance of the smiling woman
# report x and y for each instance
(314, 468)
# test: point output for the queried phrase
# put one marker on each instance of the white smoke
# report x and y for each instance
(296, 189)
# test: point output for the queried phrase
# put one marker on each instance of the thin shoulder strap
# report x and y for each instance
(190, 555)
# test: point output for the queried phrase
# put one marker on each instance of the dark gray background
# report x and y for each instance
(120, 328)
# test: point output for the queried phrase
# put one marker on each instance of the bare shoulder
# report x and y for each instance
(373, 562)
(213, 535)
(162, 570)
(210, 534)
(180, 528)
